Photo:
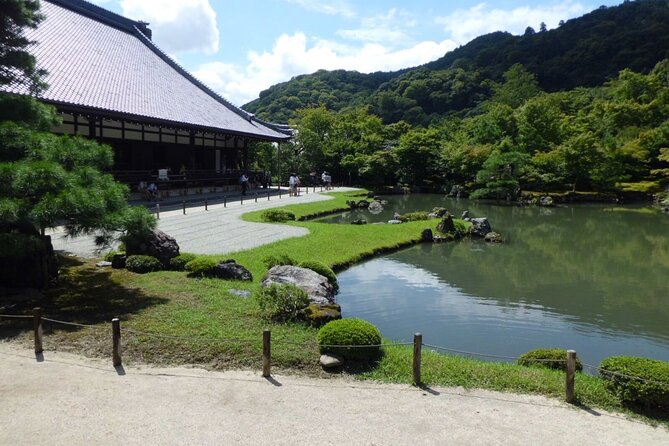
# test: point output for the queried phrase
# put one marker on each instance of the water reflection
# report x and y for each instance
(593, 278)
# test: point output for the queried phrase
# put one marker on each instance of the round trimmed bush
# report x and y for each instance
(143, 264)
(179, 262)
(201, 267)
(323, 270)
(277, 216)
(277, 260)
(281, 302)
(637, 380)
(550, 358)
(353, 332)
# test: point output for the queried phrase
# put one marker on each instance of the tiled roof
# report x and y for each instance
(101, 61)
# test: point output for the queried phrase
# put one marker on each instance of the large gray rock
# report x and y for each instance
(231, 270)
(480, 227)
(546, 200)
(318, 288)
(156, 244)
(375, 207)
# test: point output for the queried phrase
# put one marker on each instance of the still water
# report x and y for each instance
(592, 278)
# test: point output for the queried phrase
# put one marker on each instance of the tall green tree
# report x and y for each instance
(17, 65)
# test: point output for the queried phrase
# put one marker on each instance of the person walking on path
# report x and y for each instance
(244, 181)
(293, 183)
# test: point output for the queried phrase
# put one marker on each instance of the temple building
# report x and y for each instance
(110, 82)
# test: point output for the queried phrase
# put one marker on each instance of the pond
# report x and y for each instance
(592, 278)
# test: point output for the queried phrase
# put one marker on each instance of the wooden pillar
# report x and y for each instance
(570, 395)
(116, 342)
(417, 353)
(266, 353)
(37, 329)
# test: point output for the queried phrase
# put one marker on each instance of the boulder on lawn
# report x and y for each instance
(231, 270)
(156, 244)
(118, 261)
(320, 314)
(329, 361)
(447, 225)
(318, 288)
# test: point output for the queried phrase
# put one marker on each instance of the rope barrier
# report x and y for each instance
(74, 324)
(637, 378)
(188, 338)
(15, 316)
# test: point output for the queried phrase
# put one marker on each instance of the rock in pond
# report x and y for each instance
(318, 288)
(493, 237)
(375, 207)
(329, 361)
(480, 227)
(427, 235)
(360, 221)
(546, 200)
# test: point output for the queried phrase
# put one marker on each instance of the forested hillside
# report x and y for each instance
(582, 52)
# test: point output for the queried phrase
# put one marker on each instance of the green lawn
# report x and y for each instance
(225, 330)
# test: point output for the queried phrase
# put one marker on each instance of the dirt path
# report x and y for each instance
(67, 399)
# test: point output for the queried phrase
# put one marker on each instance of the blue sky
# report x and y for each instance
(240, 48)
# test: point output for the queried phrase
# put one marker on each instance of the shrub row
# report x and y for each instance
(277, 216)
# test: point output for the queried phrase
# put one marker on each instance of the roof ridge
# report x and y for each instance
(106, 16)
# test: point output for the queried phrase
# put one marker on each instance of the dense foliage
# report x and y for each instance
(201, 267)
(277, 216)
(551, 358)
(334, 336)
(614, 137)
(179, 262)
(281, 302)
(583, 52)
(635, 380)
(142, 264)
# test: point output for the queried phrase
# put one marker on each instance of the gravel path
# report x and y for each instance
(69, 400)
(220, 230)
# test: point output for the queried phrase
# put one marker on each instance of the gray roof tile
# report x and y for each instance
(95, 65)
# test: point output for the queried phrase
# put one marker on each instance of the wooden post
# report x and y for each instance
(321, 188)
(279, 191)
(116, 342)
(256, 197)
(158, 211)
(266, 353)
(183, 203)
(37, 329)
(225, 201)
(571, 371)
(241, 200)
(206, 204)
(417, 348)
(268, 192)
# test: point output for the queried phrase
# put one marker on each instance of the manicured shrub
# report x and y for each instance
(636, 380)
(201, 267)
(179, 262)
(353, 332)
(280, 259)
(461, 227)
(323, 270)
(415, 216)
(277, 216)
(550, 358)
(281, 302)
(143, 264)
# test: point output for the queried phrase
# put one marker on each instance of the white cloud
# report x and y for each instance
(177, 25)
(389, 28)
(294, 54)
(330, 7)
(466, 24)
